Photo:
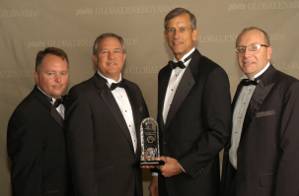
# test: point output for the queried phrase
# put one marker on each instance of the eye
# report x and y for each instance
(170, 30)
(240, 49)
(64, 73)
(254, 47)
(182, 29)
(118, 51)
(103, 52)
(50, 74)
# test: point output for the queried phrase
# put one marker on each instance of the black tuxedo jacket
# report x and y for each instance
(101, 152)
(36, 147)
(268, 158)
(197, 127)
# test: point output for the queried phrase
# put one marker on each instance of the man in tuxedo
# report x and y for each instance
(262, 158)
(103, 123)
(35, 135)
(193, 114)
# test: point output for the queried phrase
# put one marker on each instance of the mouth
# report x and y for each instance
(111, 63)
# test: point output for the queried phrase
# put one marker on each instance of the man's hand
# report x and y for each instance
(171, 167)
(153, 187)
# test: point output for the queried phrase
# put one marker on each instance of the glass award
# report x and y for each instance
(149, 135)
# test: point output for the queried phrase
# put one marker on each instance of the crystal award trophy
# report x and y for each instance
(149, 135)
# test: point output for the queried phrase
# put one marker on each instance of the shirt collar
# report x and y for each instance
(109, 80)
(51, 99)
(185, 56)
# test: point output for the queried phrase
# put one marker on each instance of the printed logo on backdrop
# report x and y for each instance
(145, 69)
(74, 43)
(18, 13)
(124, 10)
(239, 5)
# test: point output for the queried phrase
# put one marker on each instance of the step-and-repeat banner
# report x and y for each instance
(29, 26)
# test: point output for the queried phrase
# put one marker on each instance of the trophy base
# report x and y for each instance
(151, 163)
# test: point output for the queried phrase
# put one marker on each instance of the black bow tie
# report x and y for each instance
(179, 64)
(115, 85)
(247, 82)
(174, 65)
(57, 103)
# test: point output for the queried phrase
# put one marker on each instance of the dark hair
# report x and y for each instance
(245, 30)
(179, 11)
(103, 36)
(49, 50)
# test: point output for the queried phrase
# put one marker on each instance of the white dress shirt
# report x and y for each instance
(122, 100)
(239, 114)
(174, 81)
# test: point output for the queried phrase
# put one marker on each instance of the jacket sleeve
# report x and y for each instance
(25, 146)
(287, 174)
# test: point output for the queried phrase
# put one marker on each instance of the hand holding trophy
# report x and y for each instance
(149, 135)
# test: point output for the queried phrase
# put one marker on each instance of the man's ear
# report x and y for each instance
(94, 60)
(195, 34)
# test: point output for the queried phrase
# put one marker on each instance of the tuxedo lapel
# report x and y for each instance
(182, 91)
(162, 92)
(109, 100)
(44, 100)
(184, 87)
(263, 88)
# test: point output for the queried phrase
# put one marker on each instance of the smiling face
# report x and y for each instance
(52, 75)
(252, 62)
(180, 35)
(110, 57)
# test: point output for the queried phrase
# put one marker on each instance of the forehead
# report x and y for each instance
(110, 42)
(52, 62)
(252, 36)
(182, 19)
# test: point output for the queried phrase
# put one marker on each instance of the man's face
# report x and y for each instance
(180, 35)
(52, 75)
(252, 62)
(110, 58)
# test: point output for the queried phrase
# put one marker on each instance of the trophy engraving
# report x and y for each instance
(149, 135)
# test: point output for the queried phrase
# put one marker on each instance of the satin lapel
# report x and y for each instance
(182, 91)
(109, 100)
(44, 101)
(259, 96)
(263, 88)
(112, 105)
(162, 92)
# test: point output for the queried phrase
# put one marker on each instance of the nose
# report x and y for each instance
(176, 34)
(110, 55)
(58, 78)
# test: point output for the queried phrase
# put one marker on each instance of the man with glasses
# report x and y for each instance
(262, 158)
(35, 134)
(193, 114)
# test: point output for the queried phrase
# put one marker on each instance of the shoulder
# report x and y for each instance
(84, 86)
(29, 109)
(132, 85)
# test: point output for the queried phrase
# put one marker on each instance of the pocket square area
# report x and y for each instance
(265, 113)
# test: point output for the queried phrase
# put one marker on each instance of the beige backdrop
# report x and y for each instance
(28, 26)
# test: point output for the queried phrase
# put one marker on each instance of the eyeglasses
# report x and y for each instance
(250, 47)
